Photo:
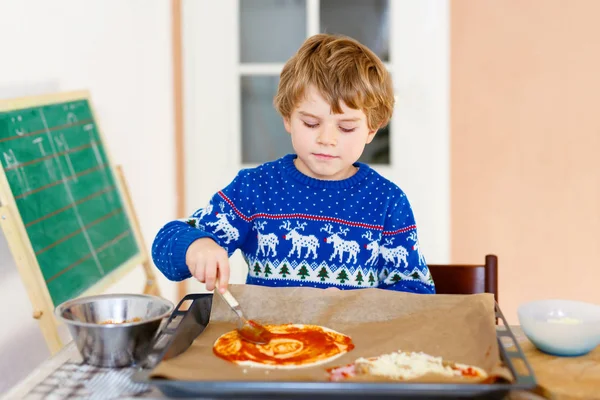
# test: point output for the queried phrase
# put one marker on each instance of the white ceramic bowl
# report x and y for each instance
(561, 327)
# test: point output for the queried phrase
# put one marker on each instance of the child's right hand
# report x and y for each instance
(207, 260)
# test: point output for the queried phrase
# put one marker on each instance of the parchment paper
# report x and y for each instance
(456, 327)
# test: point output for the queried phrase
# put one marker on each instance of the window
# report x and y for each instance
(270, 32)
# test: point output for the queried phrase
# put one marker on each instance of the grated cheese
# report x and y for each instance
(410, 365)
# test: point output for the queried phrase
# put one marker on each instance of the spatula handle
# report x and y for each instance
(230, 300)
(233, 303)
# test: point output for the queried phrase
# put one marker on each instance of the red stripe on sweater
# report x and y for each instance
(312, 218)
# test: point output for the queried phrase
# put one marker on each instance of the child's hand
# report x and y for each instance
(207, 260)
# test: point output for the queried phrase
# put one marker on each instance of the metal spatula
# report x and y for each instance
(249, 330)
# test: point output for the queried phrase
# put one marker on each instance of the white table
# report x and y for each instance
(63, 376)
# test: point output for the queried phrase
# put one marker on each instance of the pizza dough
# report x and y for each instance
(292, 346)
(405, 366)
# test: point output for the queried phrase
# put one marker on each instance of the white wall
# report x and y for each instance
(420, 44)
(120, 51)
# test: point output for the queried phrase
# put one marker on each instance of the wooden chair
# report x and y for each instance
(466, 279)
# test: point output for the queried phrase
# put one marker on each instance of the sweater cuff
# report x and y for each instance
(180, 247)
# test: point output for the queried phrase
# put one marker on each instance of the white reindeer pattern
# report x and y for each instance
(340, 246)
(300, 241)
(268, 241)
(196, 219)
(373, 246)
(393, 254)
(222, 224)
(206, 211)
(413, 237)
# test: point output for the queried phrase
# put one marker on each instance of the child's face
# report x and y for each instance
(327, 144)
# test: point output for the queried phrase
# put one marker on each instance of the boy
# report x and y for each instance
(316, 218)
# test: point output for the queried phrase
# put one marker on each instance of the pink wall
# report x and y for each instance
(525, 144)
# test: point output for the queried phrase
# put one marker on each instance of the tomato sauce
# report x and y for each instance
(255, 332)
(469, 372)
(290, 345)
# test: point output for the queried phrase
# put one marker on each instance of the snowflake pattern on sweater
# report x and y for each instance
(294, 230)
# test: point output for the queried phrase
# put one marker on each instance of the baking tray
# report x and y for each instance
(192, 314)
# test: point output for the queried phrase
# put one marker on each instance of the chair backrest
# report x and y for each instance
(466, 279)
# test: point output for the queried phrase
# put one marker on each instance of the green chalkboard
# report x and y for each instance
(66, 194)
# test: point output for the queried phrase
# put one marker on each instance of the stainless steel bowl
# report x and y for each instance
(120, 343)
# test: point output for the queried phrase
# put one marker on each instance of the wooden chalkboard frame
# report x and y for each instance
(22, 249)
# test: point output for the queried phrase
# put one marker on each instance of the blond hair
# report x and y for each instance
(341, 69)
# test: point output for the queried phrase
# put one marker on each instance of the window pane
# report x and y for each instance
(364, 20)
(263, 135)
(271, 30)
(378, 151)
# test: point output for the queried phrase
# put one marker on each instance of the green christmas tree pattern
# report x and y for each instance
(268, 270)
(284, 271)
(430, 280)
(323, 274)
(371, 278)
(396, 278)
(257, 269)
(191, 222)
(415, 275)
(342, 276)
(359, 278)
(303, 272)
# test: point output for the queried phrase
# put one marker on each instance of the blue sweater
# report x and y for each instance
(294, 230)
